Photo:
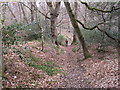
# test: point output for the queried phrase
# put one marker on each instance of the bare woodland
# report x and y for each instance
(60, 44)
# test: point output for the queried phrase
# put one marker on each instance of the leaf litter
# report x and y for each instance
(100, 71)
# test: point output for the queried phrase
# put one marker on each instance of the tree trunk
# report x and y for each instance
(24, 15)
(35, 11)
(53, 27)
(20, 15)
(74, 33)
(119, 31)
(77, 29)
(12, 13)
(54, 12)
(2, 20)
(32, 12)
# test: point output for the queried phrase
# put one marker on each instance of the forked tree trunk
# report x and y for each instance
(77, 29)
(54, 12)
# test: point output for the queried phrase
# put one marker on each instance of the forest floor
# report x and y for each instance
(99, 71)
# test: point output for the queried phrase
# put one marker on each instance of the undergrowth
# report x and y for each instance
(76, 49)
(50, 70)
(58, 50)
(47, 66)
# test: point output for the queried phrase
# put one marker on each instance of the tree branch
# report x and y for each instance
(108, 35)
(96, 9)
(88, 28)
(97, 26)
(12, 13)
(37, 10)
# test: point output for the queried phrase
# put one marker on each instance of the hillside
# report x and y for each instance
(68, 68)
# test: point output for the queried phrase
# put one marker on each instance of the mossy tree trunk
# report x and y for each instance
(2, 23)
(74, 33)
(119, 31)
(77, 29)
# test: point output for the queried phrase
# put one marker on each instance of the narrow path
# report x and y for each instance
(73, 69)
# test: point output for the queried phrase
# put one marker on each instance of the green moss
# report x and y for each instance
(0, 73)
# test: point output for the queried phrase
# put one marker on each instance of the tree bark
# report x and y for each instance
(24, 15)
(2, 20)
(32, 12)
(119, 31)
(74, 33)
(54, 12)
(77, 29)
(20, 15)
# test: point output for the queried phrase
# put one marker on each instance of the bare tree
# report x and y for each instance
(119, 30)
(74, 33)
(2, 20)
(32, 11)
(77, 29)
(20, 14)
(24, 15)
(12, 13)
(54, 12)
(103, 22)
